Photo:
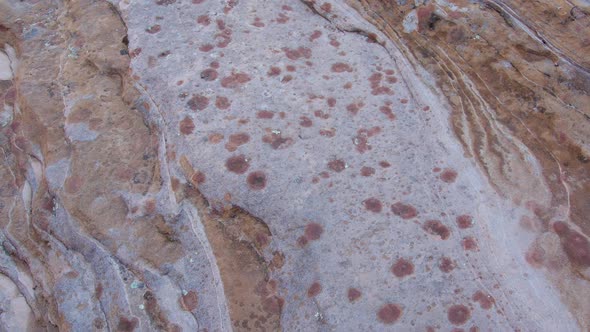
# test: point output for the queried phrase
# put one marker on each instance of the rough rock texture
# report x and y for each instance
(201, 165)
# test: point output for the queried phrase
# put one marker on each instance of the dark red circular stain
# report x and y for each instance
(389, 313)
(367, 171)
(446, 265)
(186, 126)
(373, 205)
(256, 180)
(464, 221)
(458, 314)
(209, 74)
(405, 211)
(448, 175)
(469, 243)
(435, 227)
(313, 231)
(237, 164)
(402, 268)
(314, 289)
(486, 301)
(353, 294)
(198, 102)
(337, 165)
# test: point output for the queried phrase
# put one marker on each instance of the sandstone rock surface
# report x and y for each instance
(339, 165)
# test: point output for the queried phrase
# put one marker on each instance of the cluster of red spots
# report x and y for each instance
(469, 243)
(464, 221)
(389, 313)
(314, 290)
(305, 122)
(224, 36)
(341, 67)
(378, 89)
(235, 140)
(385, 109)
(313, 231)
(209, 74)
(203, 20)
(367, 171)
(315, 35)
(265, 114)
(277, 141)
(458, 314)
(327, 7)
(186, 126)
(575, 245)
(328, 132)
(258, 22)
(215, 138)
(295, 54)
(198, 103)
(222, 102)
(435, 227)
(230, 5)
(353, 294)
(372, 204)
(384, 164)
(402, 268)
(282, 19)
(237, 164)
(154, 29)
(446, 265)
(405, 211)
(361, 140)
(256, 180)
(448, 175)
(320, 114)
(274, 71)
(354, 108)
(235, 80)
(486, 301)
(337, 165)
(287, 8)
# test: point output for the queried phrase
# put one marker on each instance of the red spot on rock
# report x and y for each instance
(373, 205)
(290, 68)
(305, 122)
(367, 171)
(302, 241)
(458, 314)
(256, 180)
(331, 102)
(274, 71)
(337, 165)
(190, 301)
(273, 305)
(198, 103)
(327, 7)
(206, 47)
(235, 80)
(320, 114)
(435, 227)
(265, 114)
(198, 177)
(464, 221)
(388, 112)
(405, 211)
(294, 54)
(277, 142)
(314, 289)
(448, 175)
(446, 265)
(341, 67)
(315, 35)
(486, 301)
(575, 245)
(73, 184)
(154, 29)
(354, 108)
(204, 20)
(334, 43)
(209, 74)
(187, 126)
(402, 268)
(197, 2)
(331, 132)
(389, 313)
(215, 138)
(127, 324)
(353, 294)
(384, 164)
(222, 103)
(236, 140)
(313, 231)
(469, 243)
(237, 164)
